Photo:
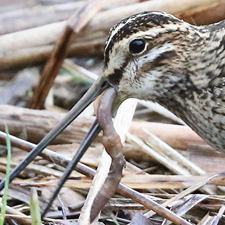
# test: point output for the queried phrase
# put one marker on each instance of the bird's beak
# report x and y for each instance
(95, 90)
(88, 139)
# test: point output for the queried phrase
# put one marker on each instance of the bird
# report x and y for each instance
(155, 56)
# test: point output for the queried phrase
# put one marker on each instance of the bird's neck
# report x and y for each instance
(215, 41)
(200, 100)
(206, 59)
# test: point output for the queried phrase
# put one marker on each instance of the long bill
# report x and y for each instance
(95, 90)
(88, 139)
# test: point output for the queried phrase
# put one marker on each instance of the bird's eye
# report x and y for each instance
(137, 46)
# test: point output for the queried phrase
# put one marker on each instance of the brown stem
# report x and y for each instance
(75, 23)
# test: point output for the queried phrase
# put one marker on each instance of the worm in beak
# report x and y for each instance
(112, 143)
(109, 102)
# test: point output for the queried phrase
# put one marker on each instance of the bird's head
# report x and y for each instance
(147, 56)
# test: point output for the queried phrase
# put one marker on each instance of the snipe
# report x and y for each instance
(155, 56)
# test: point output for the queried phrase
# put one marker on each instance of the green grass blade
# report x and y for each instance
(6, 187)
(34, 208)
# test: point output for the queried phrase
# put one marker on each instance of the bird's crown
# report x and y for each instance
(138, 23)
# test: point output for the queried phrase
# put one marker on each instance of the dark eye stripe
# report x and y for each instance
(115, 78)
(158, 61)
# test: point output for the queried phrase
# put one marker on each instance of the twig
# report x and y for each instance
(83, 73)
(199, 12)
(75, 23)
(23, 121)
(123, 190)
(29, 17)
(173, 156)
(159, 157)
(20, 217)
(184, 193)
(62, 208)
(34, 56)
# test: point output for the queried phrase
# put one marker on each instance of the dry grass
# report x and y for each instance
(167, 163)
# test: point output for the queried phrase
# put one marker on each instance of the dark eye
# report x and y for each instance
(137, 46)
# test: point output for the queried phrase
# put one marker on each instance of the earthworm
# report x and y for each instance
(113, 146)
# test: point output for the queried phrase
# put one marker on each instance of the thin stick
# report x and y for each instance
(75, 23)
(123, 190)
(197, 12)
